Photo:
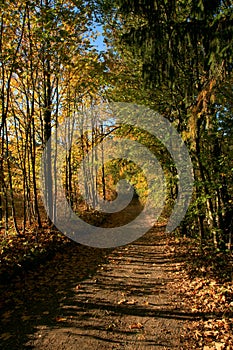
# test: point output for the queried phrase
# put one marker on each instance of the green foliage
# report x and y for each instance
(49, 71)
(182, 55)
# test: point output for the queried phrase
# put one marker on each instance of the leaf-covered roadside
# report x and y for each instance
(208, 292)
(20, 253)
(215, 301)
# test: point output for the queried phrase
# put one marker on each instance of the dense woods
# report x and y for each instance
(179, 56)
(173, 57)
(48, 72)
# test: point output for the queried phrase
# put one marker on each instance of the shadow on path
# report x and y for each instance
(87, 298)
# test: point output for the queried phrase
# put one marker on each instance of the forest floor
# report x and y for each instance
(138, 296)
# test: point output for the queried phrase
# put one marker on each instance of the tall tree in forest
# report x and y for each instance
(11, 36)
(48, 68)
(183, 50)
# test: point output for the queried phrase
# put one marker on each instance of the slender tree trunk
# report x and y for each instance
(103, 168)
(32, 128)
(11, 186)
(47, 122)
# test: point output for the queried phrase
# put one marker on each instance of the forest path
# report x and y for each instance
(81, 300)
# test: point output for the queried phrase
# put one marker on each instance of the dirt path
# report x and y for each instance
(129, 301)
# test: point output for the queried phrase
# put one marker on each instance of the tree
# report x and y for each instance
(48, 69)
(184, 53)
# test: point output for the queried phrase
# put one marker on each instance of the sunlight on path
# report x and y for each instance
(130, 303)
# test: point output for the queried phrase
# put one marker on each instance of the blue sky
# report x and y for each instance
(99, 42)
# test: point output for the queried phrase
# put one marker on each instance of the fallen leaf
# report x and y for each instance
(78, 287)
(7, 314)
(60, 319)
(122, 301)
(5, 336)
(141, 337)
(25, 318)
(111, 327)
(219, 346)
(131, 302)
(136, 326)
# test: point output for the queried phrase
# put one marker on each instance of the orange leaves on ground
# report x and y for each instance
(136, 326)
(60, 319)
(212, 300)
(128, 302)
